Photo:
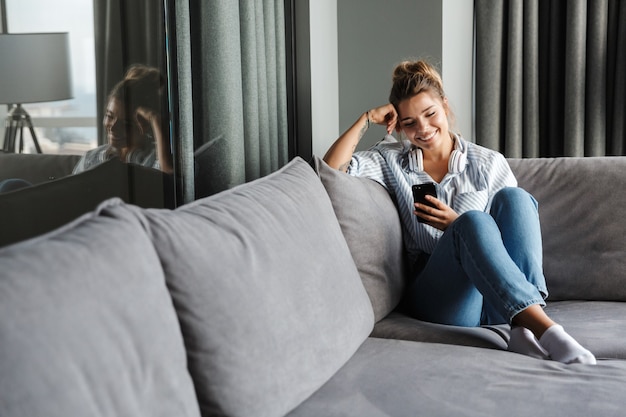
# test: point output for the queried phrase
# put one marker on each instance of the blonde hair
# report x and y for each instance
(411, 78)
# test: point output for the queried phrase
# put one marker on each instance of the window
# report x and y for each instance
(68, 126)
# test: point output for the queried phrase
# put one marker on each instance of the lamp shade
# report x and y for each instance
(34, 67)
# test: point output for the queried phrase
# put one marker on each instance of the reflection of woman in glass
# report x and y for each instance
(133, 123)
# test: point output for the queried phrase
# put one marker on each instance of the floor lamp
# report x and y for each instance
(35, 67)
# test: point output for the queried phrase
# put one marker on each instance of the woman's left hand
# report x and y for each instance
(440, 216)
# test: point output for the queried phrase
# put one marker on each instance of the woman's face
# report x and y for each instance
(121, 131)
(424, 120)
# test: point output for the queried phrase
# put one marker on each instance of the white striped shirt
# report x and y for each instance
(145, 156)
(486, 173)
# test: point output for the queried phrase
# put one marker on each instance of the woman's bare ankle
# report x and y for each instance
(534, 319)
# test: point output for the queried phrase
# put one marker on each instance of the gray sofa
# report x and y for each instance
(279, 297)
(36, 168)
(57, 197)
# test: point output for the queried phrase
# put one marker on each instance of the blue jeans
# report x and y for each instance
(486, 268)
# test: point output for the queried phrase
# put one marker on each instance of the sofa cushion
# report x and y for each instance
(87, 326)
(599, 326)
(584, 234)
(399, 378)
(402, 327)
(370, 223)
(269, 299)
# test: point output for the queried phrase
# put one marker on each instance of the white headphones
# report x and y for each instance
(456, 163)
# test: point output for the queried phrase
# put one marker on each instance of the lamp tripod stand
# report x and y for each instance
(17, 119)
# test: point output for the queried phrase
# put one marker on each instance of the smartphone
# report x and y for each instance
(420, 191)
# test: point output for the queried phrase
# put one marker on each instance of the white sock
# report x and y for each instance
(564, 348)
(524, 341)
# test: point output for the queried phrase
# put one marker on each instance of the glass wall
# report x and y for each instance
(114, 138)
(67, 126)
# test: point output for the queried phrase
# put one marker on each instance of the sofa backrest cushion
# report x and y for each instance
(582, 206)
(370, 223)
(87, 326)
(269, 299)
(36, 168)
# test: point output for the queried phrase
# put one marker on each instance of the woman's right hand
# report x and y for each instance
(384, 115)
(339, 154)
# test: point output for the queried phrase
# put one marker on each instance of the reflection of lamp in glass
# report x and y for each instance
(34, 67)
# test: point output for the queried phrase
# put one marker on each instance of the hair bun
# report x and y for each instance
(411, 78)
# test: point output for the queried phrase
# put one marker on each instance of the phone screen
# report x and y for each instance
(419, 195)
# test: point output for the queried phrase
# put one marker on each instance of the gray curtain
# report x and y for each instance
(239, 91)
(126, 33)
(549, 77)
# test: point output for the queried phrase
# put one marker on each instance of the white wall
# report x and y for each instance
(457, 56)
(324, 74)
(371, 37)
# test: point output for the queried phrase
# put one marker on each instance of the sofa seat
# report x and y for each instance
(600, 326)
(401, 378)
(399, 326)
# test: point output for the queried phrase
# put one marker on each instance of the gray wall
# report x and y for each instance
(370, 37)
(374, 36)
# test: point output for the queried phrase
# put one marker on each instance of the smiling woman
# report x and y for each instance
(475, 247)
(134, 124)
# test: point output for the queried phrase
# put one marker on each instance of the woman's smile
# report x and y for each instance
(428, 136)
